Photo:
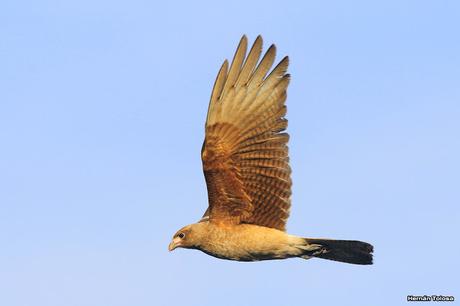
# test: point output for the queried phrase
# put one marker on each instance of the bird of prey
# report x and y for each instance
(246, 167)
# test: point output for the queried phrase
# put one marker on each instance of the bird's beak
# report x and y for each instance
(175, 243)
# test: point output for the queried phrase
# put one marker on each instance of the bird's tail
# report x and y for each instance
(349, 251)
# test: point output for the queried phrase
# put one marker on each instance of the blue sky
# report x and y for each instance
(102, 108)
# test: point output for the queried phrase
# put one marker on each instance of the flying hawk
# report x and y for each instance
(246, 167)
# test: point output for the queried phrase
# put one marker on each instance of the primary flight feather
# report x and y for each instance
(246, 167)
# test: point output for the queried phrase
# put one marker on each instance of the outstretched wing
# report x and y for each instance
(245, 153)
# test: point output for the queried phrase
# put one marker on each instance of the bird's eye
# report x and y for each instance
(181, 235)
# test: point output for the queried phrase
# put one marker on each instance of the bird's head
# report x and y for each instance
(187, 237)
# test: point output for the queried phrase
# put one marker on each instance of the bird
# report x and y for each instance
(246, 168)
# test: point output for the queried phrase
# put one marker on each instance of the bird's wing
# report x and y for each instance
(245, 153)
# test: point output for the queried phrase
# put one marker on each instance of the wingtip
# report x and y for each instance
(258, 43)
(243, 40)
(224, 67)
(272, 49)
(286, 59)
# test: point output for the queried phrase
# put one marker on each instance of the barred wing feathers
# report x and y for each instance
(245, 153)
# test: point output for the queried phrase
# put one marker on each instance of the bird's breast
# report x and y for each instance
(246, 242)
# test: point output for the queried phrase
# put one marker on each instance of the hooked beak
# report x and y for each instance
(175, 243)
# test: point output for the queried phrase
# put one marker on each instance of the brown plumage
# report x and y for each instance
(246, 167)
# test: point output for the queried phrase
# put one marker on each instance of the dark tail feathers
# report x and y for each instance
(350, 251)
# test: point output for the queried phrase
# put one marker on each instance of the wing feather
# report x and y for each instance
(218, 86)
(237, 61)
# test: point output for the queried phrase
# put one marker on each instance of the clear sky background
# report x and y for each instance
(102, 109)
